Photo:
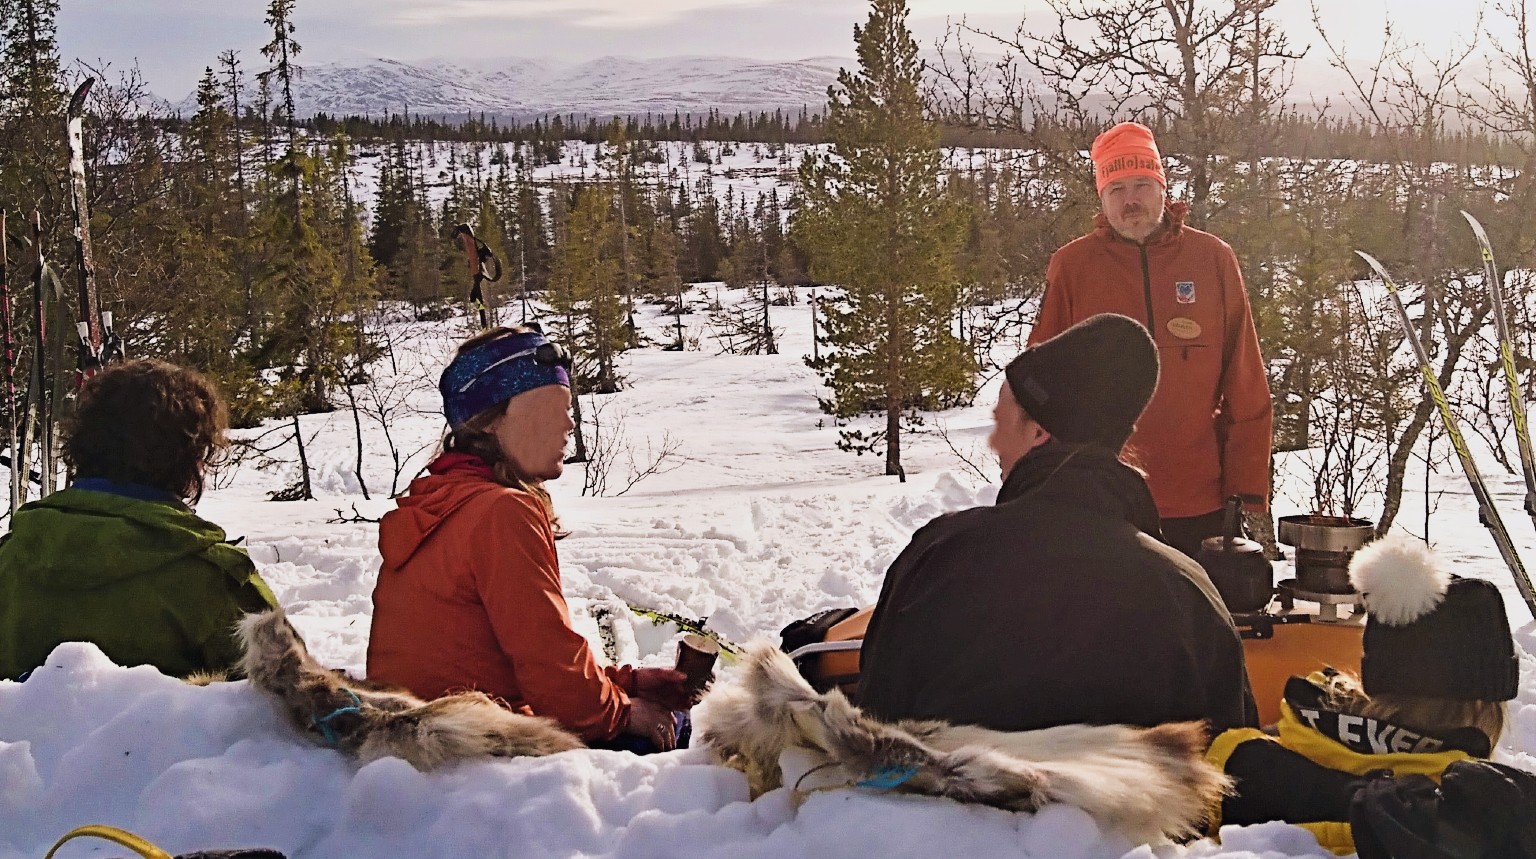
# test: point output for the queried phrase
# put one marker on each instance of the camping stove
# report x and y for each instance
(1324, 547)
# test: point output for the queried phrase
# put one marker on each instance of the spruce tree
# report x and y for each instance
(704, 240)
(659, 244)
(281, 52)
(618, 157)
(421, 278)
(32, 98)
(310, 273)
(531, 228)
(877, 222)
(393, 207)
(584, 289)
(229, 64)
(207, 333)
(502, 195)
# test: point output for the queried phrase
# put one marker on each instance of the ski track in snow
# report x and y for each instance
(762, 521)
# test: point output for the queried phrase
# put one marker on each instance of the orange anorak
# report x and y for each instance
(469, 597)
(1206, 434)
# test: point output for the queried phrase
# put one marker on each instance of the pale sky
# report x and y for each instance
(173, 40)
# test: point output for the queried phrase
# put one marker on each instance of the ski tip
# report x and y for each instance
(77, 101)
(1476, 225)
(1381, 270)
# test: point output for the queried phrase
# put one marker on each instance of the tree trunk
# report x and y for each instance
(306, 490)
(769, 347)
(1421, 415)
(1398, 465)
(893, 441)
(815, 336)
(893, 388)
(357, 426)
(580, 453)
(680, 341)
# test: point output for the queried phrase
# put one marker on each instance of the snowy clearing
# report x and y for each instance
(753, 519)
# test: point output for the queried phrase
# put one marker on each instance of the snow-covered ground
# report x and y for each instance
(752, 519)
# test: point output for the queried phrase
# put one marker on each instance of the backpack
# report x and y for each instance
(813, 629)
(1480, 810)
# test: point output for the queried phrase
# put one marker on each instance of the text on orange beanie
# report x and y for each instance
(1126, 150)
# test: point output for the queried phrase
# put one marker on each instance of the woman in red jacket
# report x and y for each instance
(469, 593)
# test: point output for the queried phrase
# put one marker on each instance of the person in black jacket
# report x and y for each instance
(1060, 604)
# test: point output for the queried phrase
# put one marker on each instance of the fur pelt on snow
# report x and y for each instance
(370, 721)
(1147, 783)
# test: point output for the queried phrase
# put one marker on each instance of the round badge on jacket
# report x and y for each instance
(1184, 328)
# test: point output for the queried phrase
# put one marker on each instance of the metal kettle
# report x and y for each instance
(1236, 565)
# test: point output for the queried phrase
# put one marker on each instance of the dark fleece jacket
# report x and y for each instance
(1056, 606)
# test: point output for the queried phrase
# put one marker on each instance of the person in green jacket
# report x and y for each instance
(118, 559)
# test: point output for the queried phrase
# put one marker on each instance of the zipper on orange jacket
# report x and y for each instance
(1146, 287)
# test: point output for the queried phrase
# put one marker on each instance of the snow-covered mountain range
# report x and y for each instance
(524, 87)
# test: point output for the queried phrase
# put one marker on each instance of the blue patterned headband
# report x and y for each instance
(494, 372)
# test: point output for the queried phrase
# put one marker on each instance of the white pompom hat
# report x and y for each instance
(1430, 633)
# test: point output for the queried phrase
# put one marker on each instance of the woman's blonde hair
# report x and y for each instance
(474, 437)
(1433, 716)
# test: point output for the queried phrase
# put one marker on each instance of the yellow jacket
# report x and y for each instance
(1308, 768)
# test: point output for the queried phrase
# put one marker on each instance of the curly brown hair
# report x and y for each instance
(475, 438)
(147, 422)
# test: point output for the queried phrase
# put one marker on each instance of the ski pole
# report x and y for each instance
(1507, 362)
(1488, 514)
(10, 364)
(40, 383)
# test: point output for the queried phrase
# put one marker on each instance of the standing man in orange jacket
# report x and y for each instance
(1206, 434)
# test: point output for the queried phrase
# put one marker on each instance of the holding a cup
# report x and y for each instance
(696, 655)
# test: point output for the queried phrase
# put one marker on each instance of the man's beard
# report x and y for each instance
(1142, 231)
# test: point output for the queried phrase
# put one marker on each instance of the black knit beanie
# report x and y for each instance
(1428, 633)
(1461, 650)
(1088, 384)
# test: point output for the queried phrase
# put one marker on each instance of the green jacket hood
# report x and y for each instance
(125, 537)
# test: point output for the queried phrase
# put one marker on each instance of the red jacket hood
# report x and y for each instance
(452, 480)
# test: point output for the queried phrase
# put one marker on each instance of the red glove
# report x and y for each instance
(665, 686)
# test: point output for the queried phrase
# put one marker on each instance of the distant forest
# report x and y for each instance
(1292, 134)
(233, 239)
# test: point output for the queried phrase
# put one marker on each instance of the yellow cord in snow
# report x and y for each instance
(112, 833)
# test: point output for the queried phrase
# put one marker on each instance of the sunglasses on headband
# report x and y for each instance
(546, 353)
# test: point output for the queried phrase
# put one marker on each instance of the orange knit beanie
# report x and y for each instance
(1126, 150)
